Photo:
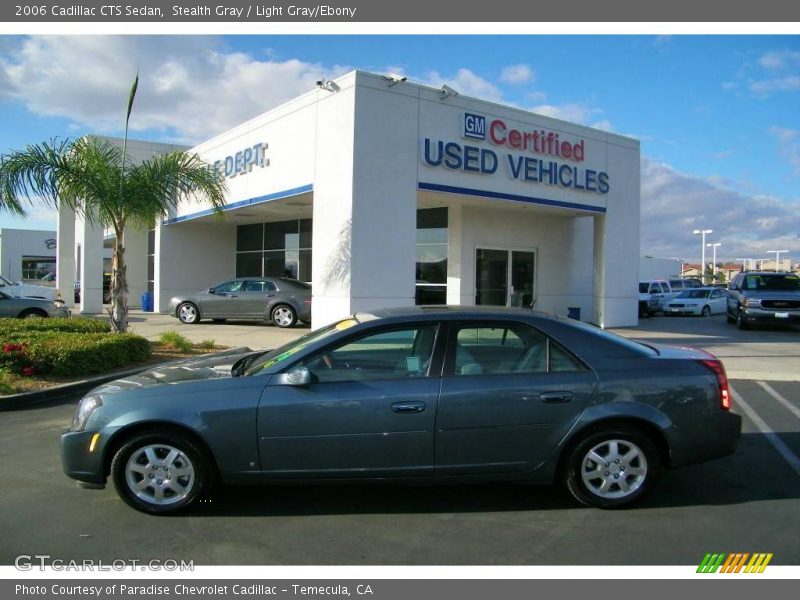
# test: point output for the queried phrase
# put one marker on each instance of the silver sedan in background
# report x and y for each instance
(30, 307)
(699, 301)
(278, 299)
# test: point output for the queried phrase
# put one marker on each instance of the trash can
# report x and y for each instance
(574, 312)
(147, 301)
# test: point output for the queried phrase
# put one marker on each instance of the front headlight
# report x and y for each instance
(752, 302)
(87, 406)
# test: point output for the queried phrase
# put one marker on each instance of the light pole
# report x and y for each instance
(703, 232)
(714, 246)
(745, 262)
(777, 254)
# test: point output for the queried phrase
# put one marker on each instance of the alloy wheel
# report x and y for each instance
(187, 313)
(159, 474)
(283, 316)
(614, 469)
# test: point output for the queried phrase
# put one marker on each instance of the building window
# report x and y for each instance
(37, 267)
(277, 249)
(431, 256)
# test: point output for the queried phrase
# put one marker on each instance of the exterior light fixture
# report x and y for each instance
(328, 85)
(447, 91)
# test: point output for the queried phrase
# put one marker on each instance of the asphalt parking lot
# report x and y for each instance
(747, 502)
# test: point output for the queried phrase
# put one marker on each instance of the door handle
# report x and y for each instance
(408, 407)
(555, 397)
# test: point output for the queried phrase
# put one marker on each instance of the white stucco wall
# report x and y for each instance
(16, 243)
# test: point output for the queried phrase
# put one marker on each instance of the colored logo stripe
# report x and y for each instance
(734, 563)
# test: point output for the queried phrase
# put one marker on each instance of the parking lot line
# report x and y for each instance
(788, 405)
(772, 437)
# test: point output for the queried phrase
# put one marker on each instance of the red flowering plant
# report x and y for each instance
(15, 359)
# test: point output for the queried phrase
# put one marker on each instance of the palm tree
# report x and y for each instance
(90, 176)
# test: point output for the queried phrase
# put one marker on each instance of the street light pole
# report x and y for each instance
(777, 254)
(714, 246)
(703, 232)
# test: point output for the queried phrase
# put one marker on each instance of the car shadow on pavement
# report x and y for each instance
(755, 472)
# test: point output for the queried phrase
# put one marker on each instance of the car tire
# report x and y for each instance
(147, 482)
(32, 313)
(706, 312)
(283, 316)
(632, 468)
(729, 318)
(188, 313)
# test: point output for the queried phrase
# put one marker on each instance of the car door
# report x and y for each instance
(509, 395)
(254, 295)
(224, 302)
(368, 411)
(717, 301)
(9, 306)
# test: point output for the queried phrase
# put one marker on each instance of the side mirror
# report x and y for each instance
(212, 291)
(300, 376)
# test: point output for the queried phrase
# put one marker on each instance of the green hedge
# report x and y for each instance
(21, 327)
(73, 354)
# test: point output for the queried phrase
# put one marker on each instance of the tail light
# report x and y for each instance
(722, 382)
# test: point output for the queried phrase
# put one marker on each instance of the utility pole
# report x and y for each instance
(714, 246)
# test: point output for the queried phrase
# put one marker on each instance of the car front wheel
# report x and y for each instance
(611, 468)
(160, 472)
(188, 313)
(284, 316)
(706, 312)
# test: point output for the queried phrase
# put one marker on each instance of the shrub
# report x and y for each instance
(208, 344)
(20, 327)
(86, 354)
(5, 385)
(173, 339)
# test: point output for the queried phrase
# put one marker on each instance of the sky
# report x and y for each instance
(717, 115)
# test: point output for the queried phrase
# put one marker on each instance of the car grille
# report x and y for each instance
(677, 305)
(780, 304)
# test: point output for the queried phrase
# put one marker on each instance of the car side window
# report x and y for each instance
(229, 287)
(495, 349)
(394, 354)
(257, 286)
(664, 288)
(654, 288)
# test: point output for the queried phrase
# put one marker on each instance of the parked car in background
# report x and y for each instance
(106, 289)
(763, 297)
(23, 308)
(702, 302)
(27, 290)
(649, 295)
(426, 394)
(278, 299)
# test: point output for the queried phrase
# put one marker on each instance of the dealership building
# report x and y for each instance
(381, 192)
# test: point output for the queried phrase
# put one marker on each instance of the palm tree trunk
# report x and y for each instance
(119, 285)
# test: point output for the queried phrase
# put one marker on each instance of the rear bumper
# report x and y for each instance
(722, 432)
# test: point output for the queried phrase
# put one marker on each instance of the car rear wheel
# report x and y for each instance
(284, 315)
(706, 312)
(160, 472)
(613, 467)
(188, 313)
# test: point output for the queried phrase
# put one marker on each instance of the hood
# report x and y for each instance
(213, 366)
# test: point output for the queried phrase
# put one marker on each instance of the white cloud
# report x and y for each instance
(516, 74)
(772, 72)
(673, 204)
(577, 112)
(188, 84)
(789, 145)
(779, 59)
(764, 87)
(467, 83)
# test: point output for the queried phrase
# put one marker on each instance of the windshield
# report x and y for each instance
(776, 283)
(694, 294)
(281, 354)
(4, 281)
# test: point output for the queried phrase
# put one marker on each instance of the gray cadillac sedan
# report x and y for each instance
(419, 394)
(278, 299)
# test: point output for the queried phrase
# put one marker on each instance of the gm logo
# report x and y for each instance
(474, 126)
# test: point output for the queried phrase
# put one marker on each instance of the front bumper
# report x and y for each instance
(682, 310)
(78, 461)
(764, 315)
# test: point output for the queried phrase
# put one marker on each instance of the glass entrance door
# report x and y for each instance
(504, 277)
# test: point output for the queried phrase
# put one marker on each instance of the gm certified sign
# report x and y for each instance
(474, 126)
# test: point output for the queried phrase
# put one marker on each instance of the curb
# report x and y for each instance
(58, 394)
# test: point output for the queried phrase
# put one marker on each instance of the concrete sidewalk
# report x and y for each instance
(766, 353)
(258, 335)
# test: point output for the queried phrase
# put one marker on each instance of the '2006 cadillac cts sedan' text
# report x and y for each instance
(442, 394)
